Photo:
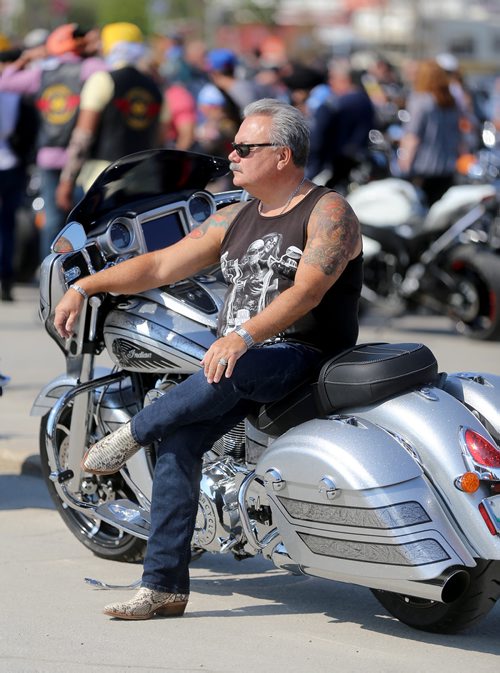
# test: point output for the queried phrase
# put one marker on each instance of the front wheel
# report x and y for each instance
(102, 539)
(475, 304)
(426, 615)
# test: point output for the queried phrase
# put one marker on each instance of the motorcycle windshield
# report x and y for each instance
(146, 175)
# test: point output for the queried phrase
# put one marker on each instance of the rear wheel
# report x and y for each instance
(475, 305)
(102, 539)
(426, 615)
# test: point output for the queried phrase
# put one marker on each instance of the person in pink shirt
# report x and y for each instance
(179, 130)
(54, 74)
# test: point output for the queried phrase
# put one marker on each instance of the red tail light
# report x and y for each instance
(481, 450)
(487, 519)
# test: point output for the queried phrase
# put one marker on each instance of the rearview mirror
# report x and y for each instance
(70, 239)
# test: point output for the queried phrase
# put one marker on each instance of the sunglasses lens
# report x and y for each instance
(242, 150)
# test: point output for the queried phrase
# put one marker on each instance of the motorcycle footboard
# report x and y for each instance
(126, 516)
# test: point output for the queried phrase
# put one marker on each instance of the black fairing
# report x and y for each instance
(146, 176)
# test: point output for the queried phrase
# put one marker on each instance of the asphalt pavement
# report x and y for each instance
(242, 616)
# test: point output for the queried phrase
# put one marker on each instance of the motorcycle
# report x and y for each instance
(382, 472)
(444, 259)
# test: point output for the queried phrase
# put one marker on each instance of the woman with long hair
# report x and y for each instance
(431, 141)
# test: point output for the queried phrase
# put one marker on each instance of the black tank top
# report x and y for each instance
(259, 259)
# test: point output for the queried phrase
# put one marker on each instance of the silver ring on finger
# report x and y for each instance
(222, 362)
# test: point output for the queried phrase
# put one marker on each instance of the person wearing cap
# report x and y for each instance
(217, 123)
(122, 111)
(53, 73)
(222, 70)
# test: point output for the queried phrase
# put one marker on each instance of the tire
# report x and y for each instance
(102, 539)
(426, 615)
(475, 305)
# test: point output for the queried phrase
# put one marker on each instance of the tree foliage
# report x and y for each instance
(150, 15)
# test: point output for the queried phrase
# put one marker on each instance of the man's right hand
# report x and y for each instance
(67, 312)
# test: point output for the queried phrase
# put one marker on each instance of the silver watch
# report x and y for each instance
(246, 336)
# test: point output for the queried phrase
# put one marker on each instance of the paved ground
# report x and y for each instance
(242, 617)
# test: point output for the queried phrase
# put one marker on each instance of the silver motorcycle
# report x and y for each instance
(382, 472)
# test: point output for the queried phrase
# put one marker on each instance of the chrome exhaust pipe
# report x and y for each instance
(445, 588)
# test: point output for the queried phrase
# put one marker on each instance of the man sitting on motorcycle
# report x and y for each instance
(274, 329)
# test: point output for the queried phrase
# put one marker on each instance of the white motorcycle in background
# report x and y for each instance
(445, 259)
(382, 472)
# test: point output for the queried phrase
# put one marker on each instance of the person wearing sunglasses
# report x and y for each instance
(292, 260)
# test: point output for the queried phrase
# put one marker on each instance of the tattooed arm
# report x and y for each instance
(333, 239)
(197, 251)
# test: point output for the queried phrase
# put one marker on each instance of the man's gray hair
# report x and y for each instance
(289, 127)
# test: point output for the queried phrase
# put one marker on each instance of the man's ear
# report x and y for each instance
(284, 157)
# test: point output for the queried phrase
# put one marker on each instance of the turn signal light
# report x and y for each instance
(468, 482)
(481, 450)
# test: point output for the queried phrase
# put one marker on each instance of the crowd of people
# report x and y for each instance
(74, 100)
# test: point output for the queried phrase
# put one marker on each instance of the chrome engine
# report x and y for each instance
(217, 523)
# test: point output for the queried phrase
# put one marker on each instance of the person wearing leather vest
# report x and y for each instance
(121, 111)
(53, 74)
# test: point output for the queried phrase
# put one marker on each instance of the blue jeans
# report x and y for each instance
(186, 421)
(55, 218)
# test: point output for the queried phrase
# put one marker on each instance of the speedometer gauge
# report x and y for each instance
(120, 236)
(200, 206)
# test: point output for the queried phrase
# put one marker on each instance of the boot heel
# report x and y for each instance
(175, 609)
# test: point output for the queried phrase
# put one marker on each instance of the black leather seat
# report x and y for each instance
(359, 376)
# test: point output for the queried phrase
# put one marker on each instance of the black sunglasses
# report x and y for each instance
(243, 149)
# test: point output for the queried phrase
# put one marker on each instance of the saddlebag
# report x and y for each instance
(368, 373)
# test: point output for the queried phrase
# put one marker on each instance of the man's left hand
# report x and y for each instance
(221, 357)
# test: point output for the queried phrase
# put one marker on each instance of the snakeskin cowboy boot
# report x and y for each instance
(148, 603)
(110, 454)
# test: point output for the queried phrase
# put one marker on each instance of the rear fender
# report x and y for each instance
(350, 503)
(481, 392)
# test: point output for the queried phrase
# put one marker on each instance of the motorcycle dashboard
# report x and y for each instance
(161, 229)
(133, 232)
